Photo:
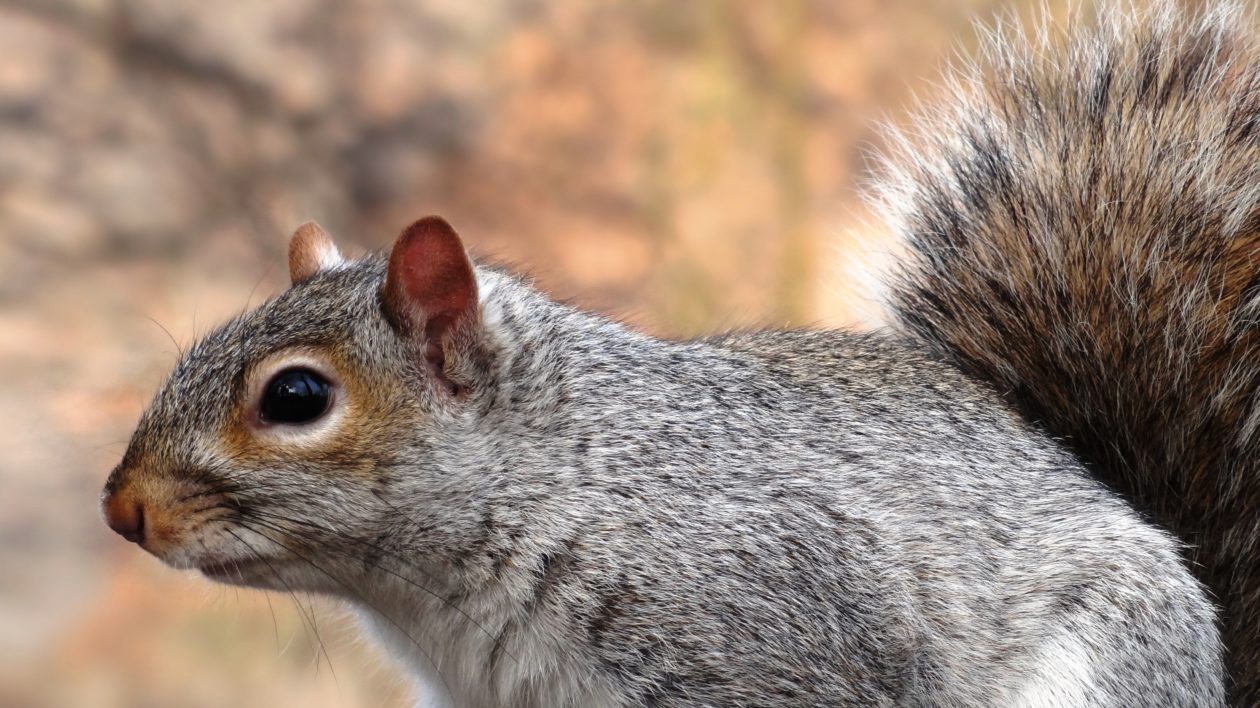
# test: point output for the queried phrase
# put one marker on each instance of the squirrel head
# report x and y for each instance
(265, 457)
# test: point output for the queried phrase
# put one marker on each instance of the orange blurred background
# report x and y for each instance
(685, 166)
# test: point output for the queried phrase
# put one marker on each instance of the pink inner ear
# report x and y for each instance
(430, 286)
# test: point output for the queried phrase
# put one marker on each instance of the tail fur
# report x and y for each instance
(1083, 231)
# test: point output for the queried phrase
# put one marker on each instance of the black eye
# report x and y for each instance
(295, 396)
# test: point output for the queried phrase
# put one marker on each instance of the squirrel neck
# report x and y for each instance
(558, 378)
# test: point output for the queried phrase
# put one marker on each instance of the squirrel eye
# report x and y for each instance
(295, 396)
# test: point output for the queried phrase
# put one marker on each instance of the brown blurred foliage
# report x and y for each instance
(687, 166)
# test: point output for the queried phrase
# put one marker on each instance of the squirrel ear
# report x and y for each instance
(311, 250)
(430, 289)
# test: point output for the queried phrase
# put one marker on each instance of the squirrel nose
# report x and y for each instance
(125, 515)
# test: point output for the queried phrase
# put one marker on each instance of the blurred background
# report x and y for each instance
(685, 166)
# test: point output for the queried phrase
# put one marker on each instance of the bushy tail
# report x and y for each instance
(1083, 229)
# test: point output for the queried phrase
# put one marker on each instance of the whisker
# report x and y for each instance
(275, 626)
(308, 614)
(228, 486)
(249, 298)
(179, 350)
(384, 553)
(358, 594)
(242, 509)
(201, 523)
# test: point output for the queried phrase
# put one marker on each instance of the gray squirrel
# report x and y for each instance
(531, 505)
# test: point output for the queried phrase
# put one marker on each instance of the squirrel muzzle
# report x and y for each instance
(124, 513)
(141, 509)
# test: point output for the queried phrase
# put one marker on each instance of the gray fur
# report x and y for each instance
(794, 518)
(602, 518)
(1086, 236)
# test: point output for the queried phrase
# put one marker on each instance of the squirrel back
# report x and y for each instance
(1084, 233)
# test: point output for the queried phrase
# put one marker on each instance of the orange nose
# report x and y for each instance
(125, 515)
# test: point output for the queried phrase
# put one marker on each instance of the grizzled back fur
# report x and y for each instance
(1084, 232)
